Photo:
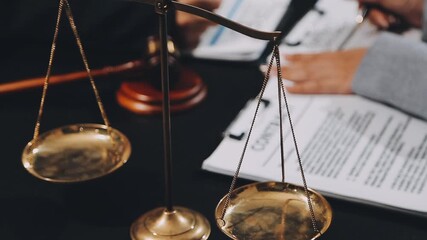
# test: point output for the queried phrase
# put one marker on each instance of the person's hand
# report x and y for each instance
(191, 26)
(390, 12)
(328, 72)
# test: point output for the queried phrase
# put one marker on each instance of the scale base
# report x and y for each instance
(143, 97)
(179, 224)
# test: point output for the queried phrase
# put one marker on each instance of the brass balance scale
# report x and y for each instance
(81, 152)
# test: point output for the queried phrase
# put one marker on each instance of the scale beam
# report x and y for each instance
(216, 18)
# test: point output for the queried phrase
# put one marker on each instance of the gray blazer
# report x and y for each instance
(394, 71)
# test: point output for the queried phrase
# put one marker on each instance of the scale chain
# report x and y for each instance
(236, 174)
(280, 80)
(49, 70)
(85, 61)
(279, 96)
(281, 90)
(65, 3)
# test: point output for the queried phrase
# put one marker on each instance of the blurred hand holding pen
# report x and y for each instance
(360, 18)
(381, 17)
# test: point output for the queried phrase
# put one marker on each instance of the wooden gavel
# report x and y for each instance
(143, 94)
(129, 68)
(147, 66)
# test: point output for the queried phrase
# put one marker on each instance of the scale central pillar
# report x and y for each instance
(169, 222)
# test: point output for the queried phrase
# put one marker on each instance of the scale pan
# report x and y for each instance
(271, 211)
(76, 153)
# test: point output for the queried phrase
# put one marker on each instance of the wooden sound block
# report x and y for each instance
(143, 97)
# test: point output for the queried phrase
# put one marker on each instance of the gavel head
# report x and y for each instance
(152, 58)
(145, 96)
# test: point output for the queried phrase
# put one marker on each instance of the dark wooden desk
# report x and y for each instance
(105, 208)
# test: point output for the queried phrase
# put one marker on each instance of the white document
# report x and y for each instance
(331, 25)
(219, 42)
(325, 27)
(350, 147)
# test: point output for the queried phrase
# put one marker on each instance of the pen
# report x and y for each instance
(361, 14)
(360, 17)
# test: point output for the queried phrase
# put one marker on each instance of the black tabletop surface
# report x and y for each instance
(105, 208)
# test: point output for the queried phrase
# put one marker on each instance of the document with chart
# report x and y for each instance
(350, 148)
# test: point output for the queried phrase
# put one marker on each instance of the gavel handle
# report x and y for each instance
(25, 84)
